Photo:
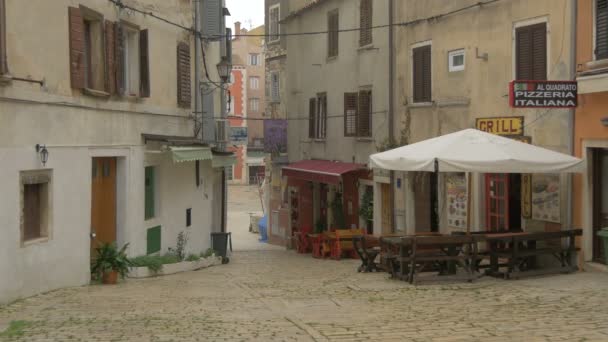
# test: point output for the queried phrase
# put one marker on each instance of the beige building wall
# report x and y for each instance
(486, 33)
(76, 128)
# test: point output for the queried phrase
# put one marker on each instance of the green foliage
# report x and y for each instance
(110, 258)
(366, 209)
(338, 211)
(193, 257)
(180, 249)
(15, 329)
(154, 262)
(209, 252)
(320, 227)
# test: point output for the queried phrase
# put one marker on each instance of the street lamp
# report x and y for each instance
(224, 68)
(43, 152)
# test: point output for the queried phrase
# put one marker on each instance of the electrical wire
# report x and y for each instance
(298, 118)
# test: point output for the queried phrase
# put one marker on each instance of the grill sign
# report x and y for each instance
(543, 94)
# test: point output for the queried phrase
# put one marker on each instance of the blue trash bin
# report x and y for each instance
(263, 225)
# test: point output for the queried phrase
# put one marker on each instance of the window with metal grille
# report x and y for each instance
(601, 29)
(274, 14)
(332, 33)
(531, 52)
(365, 22)
(422, 73)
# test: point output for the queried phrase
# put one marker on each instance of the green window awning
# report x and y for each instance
(189, 154)
(223, 161)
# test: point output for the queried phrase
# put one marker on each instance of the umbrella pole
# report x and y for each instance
(469, 194)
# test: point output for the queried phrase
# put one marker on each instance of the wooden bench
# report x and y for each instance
(368, 248)
(443, 252)
(524, 249)
(343, 242)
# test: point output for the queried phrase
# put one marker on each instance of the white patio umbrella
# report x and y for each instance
(471, 150)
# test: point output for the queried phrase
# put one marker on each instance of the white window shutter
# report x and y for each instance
(212, 17)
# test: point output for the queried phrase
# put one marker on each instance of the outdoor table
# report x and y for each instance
(502, 243)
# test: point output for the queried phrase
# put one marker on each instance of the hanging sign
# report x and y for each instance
(543, 94)
(509, 125)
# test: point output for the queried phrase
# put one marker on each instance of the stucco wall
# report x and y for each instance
(77, 128)
(309, 72)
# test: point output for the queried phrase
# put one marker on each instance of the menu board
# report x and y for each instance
(456, 191)
(546, 198)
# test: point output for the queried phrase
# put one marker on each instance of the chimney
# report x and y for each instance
(237, 28)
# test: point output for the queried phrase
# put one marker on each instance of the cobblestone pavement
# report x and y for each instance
(282, 296)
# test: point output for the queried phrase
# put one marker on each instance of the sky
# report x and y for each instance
(249, 12)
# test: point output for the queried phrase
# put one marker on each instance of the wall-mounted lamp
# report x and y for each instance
(604, 121)
(43, 152)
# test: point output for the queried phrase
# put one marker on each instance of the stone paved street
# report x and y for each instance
(277, 295)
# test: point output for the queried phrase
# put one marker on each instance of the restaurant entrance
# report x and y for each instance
(600, 200)
(503, 201)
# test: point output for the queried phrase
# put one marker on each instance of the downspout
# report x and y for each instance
(391, 105)
(197, 77)
(571, 121)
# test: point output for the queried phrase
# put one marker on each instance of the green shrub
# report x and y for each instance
(193, 257)
(154, 262)
(110, 258)
(209, 252)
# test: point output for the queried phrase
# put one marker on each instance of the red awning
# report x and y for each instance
(322, 171)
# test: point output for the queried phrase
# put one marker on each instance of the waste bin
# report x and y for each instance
(219, 243)
(263, 225)
(604, 235)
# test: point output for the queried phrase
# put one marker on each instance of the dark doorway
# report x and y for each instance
(600, 200)
(434, 202)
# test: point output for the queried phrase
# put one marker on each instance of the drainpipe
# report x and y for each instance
(197, 77)
(391, 105)
(571, 122)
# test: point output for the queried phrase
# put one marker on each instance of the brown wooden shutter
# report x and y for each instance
(422, 74)
(323, 131)
(601, 29)
(333, 34)
(365, 22)
(531, 52)
(312, 112)
(144, 64)
(110, 35)
(77, 48)
(184, 98)
(350, 114)
(119, 49)
(3, 58)
(365, 112)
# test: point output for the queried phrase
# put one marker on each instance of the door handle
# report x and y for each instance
(93, 235)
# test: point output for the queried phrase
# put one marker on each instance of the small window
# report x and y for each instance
(131, 60)
(35, 205)
(254, 82)
(422, 77)
(254, 104)
(275, 83)
(229, 172)
(94, 61)
(254, 59)
(456, 60)
(333, 34)
(274, 26)
(150, 193)
(317, 122)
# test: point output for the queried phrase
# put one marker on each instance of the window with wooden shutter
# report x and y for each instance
(531, 52)
(321, 119)
(332, 33)
(110, 46)
(183, 75)
(35, 204)
(422, 73)
(119, 50)
(351, 106)
(77, 48)
(3, 58)
(312, 114)
(212, 18)
(601, 29)
(365, 22)
(364, 119)
(144, 64)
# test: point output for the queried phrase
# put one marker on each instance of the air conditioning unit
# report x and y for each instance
(221, 130)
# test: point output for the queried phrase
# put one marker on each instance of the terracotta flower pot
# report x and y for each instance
(110, 277)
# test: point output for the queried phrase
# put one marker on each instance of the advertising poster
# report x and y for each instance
(456, 191)
(546, 198)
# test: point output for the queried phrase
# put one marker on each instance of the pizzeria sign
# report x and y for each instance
(543, 94)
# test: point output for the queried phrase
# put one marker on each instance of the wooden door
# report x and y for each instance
(497, 201)
(103, 202)
(600, 200)
(387, 213)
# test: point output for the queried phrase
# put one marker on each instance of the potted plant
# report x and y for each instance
(366, 210)
(110, 263)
